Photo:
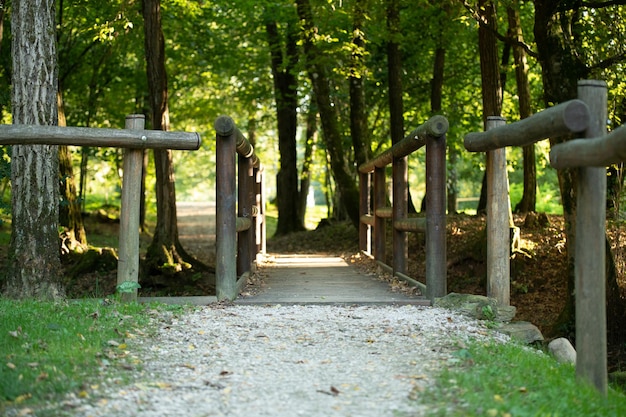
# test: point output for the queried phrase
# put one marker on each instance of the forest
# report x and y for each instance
(318, 86)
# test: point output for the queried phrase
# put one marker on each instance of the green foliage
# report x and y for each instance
(498, 380)
(127, 287)
(50, 349)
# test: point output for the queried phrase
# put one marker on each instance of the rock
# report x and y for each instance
(562, 350)
(476, 306)
(522, 330)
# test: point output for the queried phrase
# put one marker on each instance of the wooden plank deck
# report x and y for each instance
(316, 279)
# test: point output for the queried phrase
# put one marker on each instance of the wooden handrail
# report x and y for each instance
(98, 137)
(562, 119)
(593, 152)
(240, 235)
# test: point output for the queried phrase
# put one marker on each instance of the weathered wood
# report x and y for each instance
(128, 251)
(225, 215)
(436, 126)
(367, 219)
(498, 252)
(593, 152)
(244, 211)
(225, 126)
(400, 198)
(412, 224)
(98, 137)
(562, 119)
(384, 212)
(365, 228)
(591, 358)
(239, 204)
(380, 201)
(436, 272)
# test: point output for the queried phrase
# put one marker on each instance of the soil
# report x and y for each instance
(538, 266)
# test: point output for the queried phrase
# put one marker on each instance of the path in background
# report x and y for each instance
(196, 229)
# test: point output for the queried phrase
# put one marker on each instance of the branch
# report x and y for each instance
(479, 18)
(609, 61)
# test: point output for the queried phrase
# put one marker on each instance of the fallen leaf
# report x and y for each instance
(42, 376)
(225, 373)
(83, 394)
(11, 365)
(334, 391)
(14, 333)
(113, 343)
(122, 346)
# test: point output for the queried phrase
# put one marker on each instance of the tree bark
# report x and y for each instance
(329, 116)
(165, 248)
(70, 217)
(529, 196)
(286, 97)
(358, 109)
(309, 145)
(490, 73)
(34, 262)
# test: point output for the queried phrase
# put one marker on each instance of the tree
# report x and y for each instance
(284, 60)
(34, 264)
(563, 36)
(329, 116)
(529, 197)
(165, 248)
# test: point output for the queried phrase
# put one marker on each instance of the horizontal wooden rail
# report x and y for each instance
(435, 127)
(562, 119)
(412, 224)
(384, 212)
(96, 137)
(225, 126)
(594, 152)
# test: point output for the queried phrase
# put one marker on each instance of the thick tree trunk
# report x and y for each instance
(490, 73)
(34, 263)
(329, 116)
(529, 197)
(165, 248)
(285, 93)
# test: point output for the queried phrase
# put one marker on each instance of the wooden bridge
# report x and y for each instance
(287, 278)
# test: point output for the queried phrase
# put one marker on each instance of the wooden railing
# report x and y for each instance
(240, 209)
(374, 211)
(590, 156)
(134, 139)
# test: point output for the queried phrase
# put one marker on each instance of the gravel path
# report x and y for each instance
(287, 361)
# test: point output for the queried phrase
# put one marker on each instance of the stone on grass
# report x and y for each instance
(562, 350)
(476, 306)
(523, 331)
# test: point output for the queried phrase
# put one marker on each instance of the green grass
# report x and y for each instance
(49, 349)
(508, 380)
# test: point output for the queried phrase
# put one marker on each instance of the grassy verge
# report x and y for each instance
(50, 349)
(508, 380)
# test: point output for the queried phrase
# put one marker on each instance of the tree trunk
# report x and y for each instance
(165, 248)
(358, 109)
(561, 70)
(529, 197)
(34, 263)
(329, 116)
(309, 145)
(70, 217)
(285, 93)
(490, 73)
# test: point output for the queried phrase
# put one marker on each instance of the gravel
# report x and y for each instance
(285, 361)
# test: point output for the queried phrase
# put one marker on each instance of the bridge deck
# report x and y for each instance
(317, 279)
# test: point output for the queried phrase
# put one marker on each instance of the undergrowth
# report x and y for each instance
(509, 380)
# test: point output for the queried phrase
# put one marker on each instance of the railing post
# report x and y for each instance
(364, 207)
(380, 194)
(399, 210)
(498, 233)
(436, 267)
(260, 202)
(244, 209)
(590, 246)
(128, 251)
(225, 214)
